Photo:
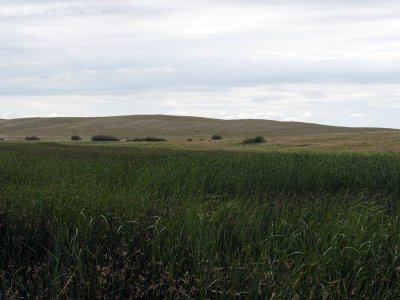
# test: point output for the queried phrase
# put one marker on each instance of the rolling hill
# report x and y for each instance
(163, 126)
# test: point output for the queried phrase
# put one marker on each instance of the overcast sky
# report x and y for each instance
(323, 61)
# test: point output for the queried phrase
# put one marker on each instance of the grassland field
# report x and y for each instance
(119, 222)
(178, 129)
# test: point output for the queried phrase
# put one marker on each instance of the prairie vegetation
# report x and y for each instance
(114, 222)
(286, 135)
(147, 139)
(104, 138)
(32, 138)
(255, 140)
(216, 137)
(76, 138)
(170, 126)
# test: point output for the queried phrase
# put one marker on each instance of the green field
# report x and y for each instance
(117, 222)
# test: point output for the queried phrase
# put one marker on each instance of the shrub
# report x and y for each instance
(76, 138)
(147, 139)
(189, 140)
(1, 139)
(216, 137)
(104, 138)
(32, 138)
(255, 140)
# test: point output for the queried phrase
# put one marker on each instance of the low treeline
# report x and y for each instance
(109, 138)
(147, 139)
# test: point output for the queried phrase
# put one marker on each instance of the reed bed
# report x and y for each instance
(100, 222)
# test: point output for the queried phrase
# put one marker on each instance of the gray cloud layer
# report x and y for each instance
(175, 56)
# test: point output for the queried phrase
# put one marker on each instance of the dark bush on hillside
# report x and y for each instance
(216, 137)
(76, 138)
(189, 140)
(1, 139)
(32, 138)
(147, 139)
(104, 138)
(255, 140)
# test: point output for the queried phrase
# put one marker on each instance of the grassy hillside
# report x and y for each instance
(164, 126)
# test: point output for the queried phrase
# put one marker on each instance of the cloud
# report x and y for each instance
(357, 115)
(294, 59)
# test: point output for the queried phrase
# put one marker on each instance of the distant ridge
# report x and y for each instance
(164, 126)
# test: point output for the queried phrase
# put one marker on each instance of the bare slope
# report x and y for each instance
(163, 126)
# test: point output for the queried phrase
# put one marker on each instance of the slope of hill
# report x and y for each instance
(163, 126)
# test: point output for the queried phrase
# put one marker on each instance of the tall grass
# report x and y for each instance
(83, 222)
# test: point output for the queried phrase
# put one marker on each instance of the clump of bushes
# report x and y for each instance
(254, 140)
(189, 140)
(147, 139)
(32, 138)
(104, 138)
(216, 137)
(76, 138)
(1, 139)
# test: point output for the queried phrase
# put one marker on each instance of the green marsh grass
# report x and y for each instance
(110, 222)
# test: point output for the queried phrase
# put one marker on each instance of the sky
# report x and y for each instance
(320, 61)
